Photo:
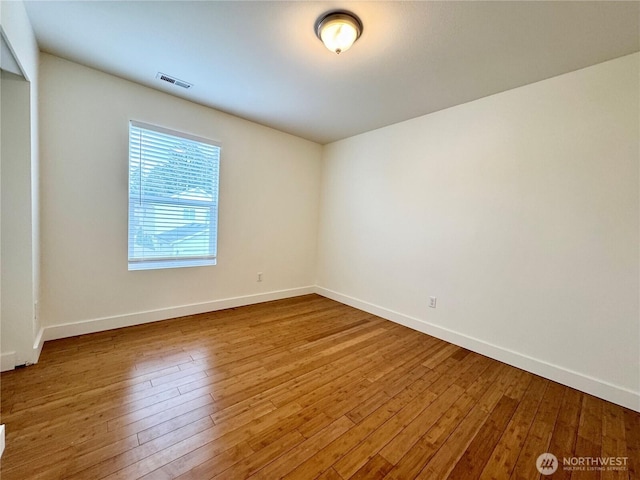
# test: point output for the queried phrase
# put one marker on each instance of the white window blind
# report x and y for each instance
(173, 198)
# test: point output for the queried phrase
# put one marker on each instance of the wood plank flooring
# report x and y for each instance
(301, 388)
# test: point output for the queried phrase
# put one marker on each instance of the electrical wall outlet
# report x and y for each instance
(432, 302)
(259, 276)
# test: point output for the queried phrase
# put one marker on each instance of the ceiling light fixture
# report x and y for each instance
(338, 30)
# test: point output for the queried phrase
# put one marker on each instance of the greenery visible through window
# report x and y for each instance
(173, 198)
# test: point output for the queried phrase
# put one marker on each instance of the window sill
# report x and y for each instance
(162, 264)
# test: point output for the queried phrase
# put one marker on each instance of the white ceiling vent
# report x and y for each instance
(168, 78)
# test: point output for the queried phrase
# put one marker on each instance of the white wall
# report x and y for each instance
(268, 212)
(16, 250)
(519, 212)
(20, 232)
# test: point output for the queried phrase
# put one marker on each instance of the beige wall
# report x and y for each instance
(19, 323)
(269, 194)
(16, 251)
(518, 211)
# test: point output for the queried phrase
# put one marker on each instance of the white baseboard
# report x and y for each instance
(1, 440)
(579, 381)
(65, 330)
(37, 345)
(599, 388)
(7, 361)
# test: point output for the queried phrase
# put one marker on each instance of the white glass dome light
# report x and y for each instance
(338, 30)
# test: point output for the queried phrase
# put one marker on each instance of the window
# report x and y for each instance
(173, 198)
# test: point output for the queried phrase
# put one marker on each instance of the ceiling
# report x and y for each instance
(262, 61)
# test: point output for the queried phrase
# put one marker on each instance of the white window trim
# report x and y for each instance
(169, 263)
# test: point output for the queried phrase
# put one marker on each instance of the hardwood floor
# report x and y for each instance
(301, 388)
